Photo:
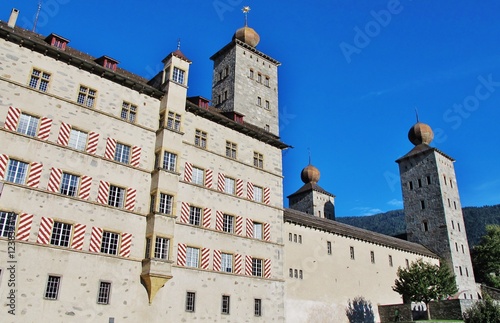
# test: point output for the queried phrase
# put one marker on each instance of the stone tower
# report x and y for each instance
(311, 198)
(432, 206)
(245, 82)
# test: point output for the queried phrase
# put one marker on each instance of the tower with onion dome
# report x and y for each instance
(311, 198)
(245, 81)
(432, 206)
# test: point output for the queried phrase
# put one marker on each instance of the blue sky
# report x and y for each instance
(352, 74)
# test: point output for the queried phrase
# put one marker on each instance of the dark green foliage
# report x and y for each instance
(486, 257)
(360, 311)
(485, 311)
(392, 223)
(424, 282)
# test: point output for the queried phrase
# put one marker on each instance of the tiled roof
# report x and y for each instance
(420, 149)
(334, 227)
(310, 187)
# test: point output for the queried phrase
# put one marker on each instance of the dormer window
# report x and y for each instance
(57, 41)
(107, 62)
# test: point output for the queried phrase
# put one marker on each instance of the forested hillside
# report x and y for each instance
(393, 222)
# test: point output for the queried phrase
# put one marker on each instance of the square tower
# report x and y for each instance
(432, 207)
(245, 82)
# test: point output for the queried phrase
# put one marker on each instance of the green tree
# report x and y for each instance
(486, 257)
(485, 311)
(424, 282)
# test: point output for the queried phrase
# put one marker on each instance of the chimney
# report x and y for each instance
(13, 17)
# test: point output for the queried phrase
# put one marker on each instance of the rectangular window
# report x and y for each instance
(259, 101)
(258, 160)
(69, 184)
(190, 301)
(251, 74)
(161, 248)
(419, 182)
(257, 230)
(458, 226)
(86, 96)
(122, 153)
(228, 223)
(425, 226)
(129, 111)
(174, 121)
(52, 288)
(290, 236)
(422, 204)
(169, 161)
(295, 237)
(290, 273)
(351, 250)
(463, 250)
(200, 138)
(256, 267)
(198, 176)
(295, 273)
(116, 196)
(194, 215)
(257, 307)
(266, 82)
(231, 149)
(225, 304)
(428, 180)
(229, 185)
(410, 185)
(109, 243)
(227, 262)
(372, 257)
(77, 140)
(16, 172)
(166, 202)
(390, 261)
(104, 292)
(329, 247)
(257, 194)
(268, 106)
(147, 253)
(192, 257)
(28, 125)
(460, 269)
(407, 263)
(61, 234)
(178, 75)
(259, 78)
(301, 276)
(7, 224)
(455, 204)
(300, 238)
(39, 80)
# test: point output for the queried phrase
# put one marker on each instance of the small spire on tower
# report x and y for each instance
(37, 15)
(178, 44)
(416, 113)
(309, 150)
(245, 10)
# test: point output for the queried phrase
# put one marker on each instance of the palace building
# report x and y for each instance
(128, 201)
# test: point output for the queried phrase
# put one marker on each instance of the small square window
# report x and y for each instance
(231, 148)
(104, 292)
(258, 160)
(116, 196)
(28, 125)
(225, 304)
(161, 248)
(122, 153)
(190, 301)
(178, 75)
(166, 203)
(109, 243)
(52, 288)
(194, 215)
(61, 234)
(16, 172)
(86, 96)
(77, 139)
(39, 80)
(228, 223)
(129, 111)
(69, 184)
(227, 262)
(7, 224)
(229, 185)
(198, 176)
(200, 138)
(174, 121)
(192, 257)
(169, 161)
(256, 267)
